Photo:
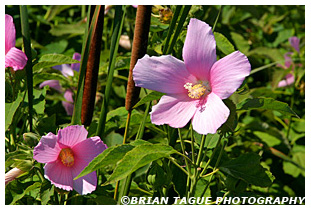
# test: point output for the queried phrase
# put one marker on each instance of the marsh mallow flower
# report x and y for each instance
(66, 70)
(66, 154)
(289, 79)
(196, 86)
(14, 57)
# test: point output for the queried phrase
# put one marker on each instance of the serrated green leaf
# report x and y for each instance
(10, 109)
(266, 104)
(154, 95)
(247, 167)
(138, 157)
(223, 44)
(17, 197)
(109, 157)
(50, 60)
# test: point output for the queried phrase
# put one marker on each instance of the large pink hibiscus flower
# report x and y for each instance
(14, 57)
(194, 88)
(66, 154)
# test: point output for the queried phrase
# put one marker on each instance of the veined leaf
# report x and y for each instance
(138, 157)
(50, 60)
(247, 167)
(266, 104)
(110, 156)
(150, 97)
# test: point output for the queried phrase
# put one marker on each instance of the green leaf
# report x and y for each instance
(17, 197)
(109, 157)
(223, 44)
(38, 100)
(10, 109)
(50, 60)
(271, 53)
(138, 157)
(41, 77)
(247, 167)
(283, 35)
(55, 47)
(67, 29)
(154, 95)
(266, 104)
(240, 43)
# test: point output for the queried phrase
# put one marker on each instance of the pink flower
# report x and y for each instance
(66, 70)
(14, 57)
(290, 77)
(66, 154)
(194, 88)
(294, 41)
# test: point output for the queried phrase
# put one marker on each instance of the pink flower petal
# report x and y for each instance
(47, 150)
(65, 69)
(294, 41)
(69, 107)
(52, 84)
(86, 184)
(176, 111)
(9, 33)
(228, 73)
(165, 74)
(72, 135)
(59, 175)
(199, 52)
(88, 149)
(16, 59)
(211, 115)
(76, 66)
(289, 79)
(68, 104)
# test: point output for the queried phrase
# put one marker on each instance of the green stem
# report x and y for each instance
(182, 143)
(212, 156)
(141, 129)
(171, 28)
(176, 164)
(215, 23)
(117, 29)
(179, 27)
(27, 47)
(215, 167)
(201, 150)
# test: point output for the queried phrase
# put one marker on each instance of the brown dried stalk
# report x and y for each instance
(140, 43)
(91, 75)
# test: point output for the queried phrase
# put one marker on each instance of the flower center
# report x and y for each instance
(198, 90)
(67, 157)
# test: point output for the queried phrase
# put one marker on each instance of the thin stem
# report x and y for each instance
(201, 150)
(179, 27)
(171, 28)
(215, 23)
(215, 167)
(117, 28)
(27, 47)
(176, 164)
(141, 129)
(184, 151)
(206, 175)
(212, 156)
(127, 125)
(116, 191)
